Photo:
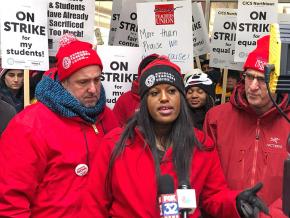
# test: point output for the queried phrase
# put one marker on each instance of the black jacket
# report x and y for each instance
(7, 111)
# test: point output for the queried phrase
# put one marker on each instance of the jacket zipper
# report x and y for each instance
(243, 164)
(266, 163)
(256, 147)
(95, 129)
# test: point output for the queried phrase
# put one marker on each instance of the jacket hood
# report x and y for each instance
(2, 72)
(134, 90)
(238, 99)
(51, 73)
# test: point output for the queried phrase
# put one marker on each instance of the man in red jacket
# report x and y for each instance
(250, 133)
(46, 151)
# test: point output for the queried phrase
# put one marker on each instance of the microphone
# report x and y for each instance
(286, 182)
(167, 198)
(186, 199)
(279, 56)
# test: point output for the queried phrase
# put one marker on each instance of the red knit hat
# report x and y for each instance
(147, 60)
(259, 57)
(73, 55)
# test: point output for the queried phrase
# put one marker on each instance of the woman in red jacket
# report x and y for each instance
(159, 140)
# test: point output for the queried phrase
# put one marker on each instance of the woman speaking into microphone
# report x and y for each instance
(160, 139)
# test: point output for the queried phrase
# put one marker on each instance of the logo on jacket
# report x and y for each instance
(274, 143)
(274, 140)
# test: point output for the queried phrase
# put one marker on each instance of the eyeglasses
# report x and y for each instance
(250, 77)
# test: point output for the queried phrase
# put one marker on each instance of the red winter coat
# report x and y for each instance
(39, 151)
(252, 148)
(127, 104)
(134, 182)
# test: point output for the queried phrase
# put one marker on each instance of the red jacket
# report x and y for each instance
(252, 148)
(39, 151)
(134, 185)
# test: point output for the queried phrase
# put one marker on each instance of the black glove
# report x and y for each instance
(249, 204)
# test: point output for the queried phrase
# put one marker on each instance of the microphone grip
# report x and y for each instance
(183, 214)
(268, 69)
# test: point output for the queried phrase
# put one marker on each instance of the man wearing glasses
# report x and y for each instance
(250, 133)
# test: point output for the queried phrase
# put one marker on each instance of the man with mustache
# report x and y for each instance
(250, 133)
(46, 150)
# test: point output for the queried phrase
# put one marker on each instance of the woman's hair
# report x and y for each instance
(181, 136)
(209, 102)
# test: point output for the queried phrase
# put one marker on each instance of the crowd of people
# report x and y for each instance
(69, 155)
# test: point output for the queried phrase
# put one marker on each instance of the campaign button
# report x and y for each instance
(81, 169)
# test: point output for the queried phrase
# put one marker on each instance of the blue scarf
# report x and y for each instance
(52, 94)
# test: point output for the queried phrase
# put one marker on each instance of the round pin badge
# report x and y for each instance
(66, 63)
(81, 169)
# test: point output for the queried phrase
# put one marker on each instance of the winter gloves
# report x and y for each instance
(249, 204)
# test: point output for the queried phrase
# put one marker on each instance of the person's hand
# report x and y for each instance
(249, 204)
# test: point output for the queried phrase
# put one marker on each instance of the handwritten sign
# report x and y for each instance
(165, 28)
(24, 35)
(253, 21)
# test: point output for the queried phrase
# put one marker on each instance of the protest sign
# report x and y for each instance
(120, 69)
(76, 17)
(199, 31)
(165, 28)
(223, 40)
(127, 30)
(253, 21)
(24, 35)
(284, 18)
(116, 9)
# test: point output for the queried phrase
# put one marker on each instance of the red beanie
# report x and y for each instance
(73, 55)
(147, 60)
(259, 57)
